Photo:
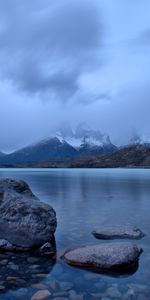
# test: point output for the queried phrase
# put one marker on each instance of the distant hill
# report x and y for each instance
(50, 149)
(132, 156)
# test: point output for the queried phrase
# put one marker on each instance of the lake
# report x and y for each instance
(84, 199)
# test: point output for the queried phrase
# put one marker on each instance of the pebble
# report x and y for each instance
(3, 262)
(39, 286)
(54, 285)
(41, 295)
(34, 267)
(32, 260)
(13, 267)
(11, 278)
(113, 292)
(74, 296)
(41, 275)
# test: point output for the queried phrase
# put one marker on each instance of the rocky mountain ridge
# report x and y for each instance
(63, 145)
(82, 147)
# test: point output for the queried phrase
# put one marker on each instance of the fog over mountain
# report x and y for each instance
(73, 61)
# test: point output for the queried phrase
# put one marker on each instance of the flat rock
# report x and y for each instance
(117, 257)
(41, 295)
(118, 232)
(25, 222)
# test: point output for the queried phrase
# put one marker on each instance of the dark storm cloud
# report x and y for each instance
(46, 46)
(91, 55)
(103, 97)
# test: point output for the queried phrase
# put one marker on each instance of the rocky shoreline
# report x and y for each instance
(27, 229)
(27, 224)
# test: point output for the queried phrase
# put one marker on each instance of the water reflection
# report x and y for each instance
(83, 200)
(118, 273)
(21, 270)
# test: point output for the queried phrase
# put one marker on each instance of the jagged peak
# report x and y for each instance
(82, 134)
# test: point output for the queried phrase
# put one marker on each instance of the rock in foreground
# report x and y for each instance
(118, 232)
(111, 257)
(26, 223)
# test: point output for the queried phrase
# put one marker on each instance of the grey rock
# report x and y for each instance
(118, 232)
(25, 222)
(119, 257)
(48, 249)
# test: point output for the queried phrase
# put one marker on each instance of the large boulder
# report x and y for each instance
(118, 232)
(25, 222)
(104, 258)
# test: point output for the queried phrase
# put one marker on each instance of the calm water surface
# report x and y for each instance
(84, 200)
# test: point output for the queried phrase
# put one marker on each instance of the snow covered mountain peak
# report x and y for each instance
(82, 135)
(140, 139)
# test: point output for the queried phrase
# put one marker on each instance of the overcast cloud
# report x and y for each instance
(73, 60)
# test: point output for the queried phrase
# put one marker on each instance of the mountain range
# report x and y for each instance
(82, 147)
(127, 157)
(64, 145)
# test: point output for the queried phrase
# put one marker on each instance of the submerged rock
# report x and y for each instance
(41, 295)
(118, 232)
(26, 223)
(18, 273)
(117, 257)
(48, 249)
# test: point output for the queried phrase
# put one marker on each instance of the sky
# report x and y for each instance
(73, 61)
